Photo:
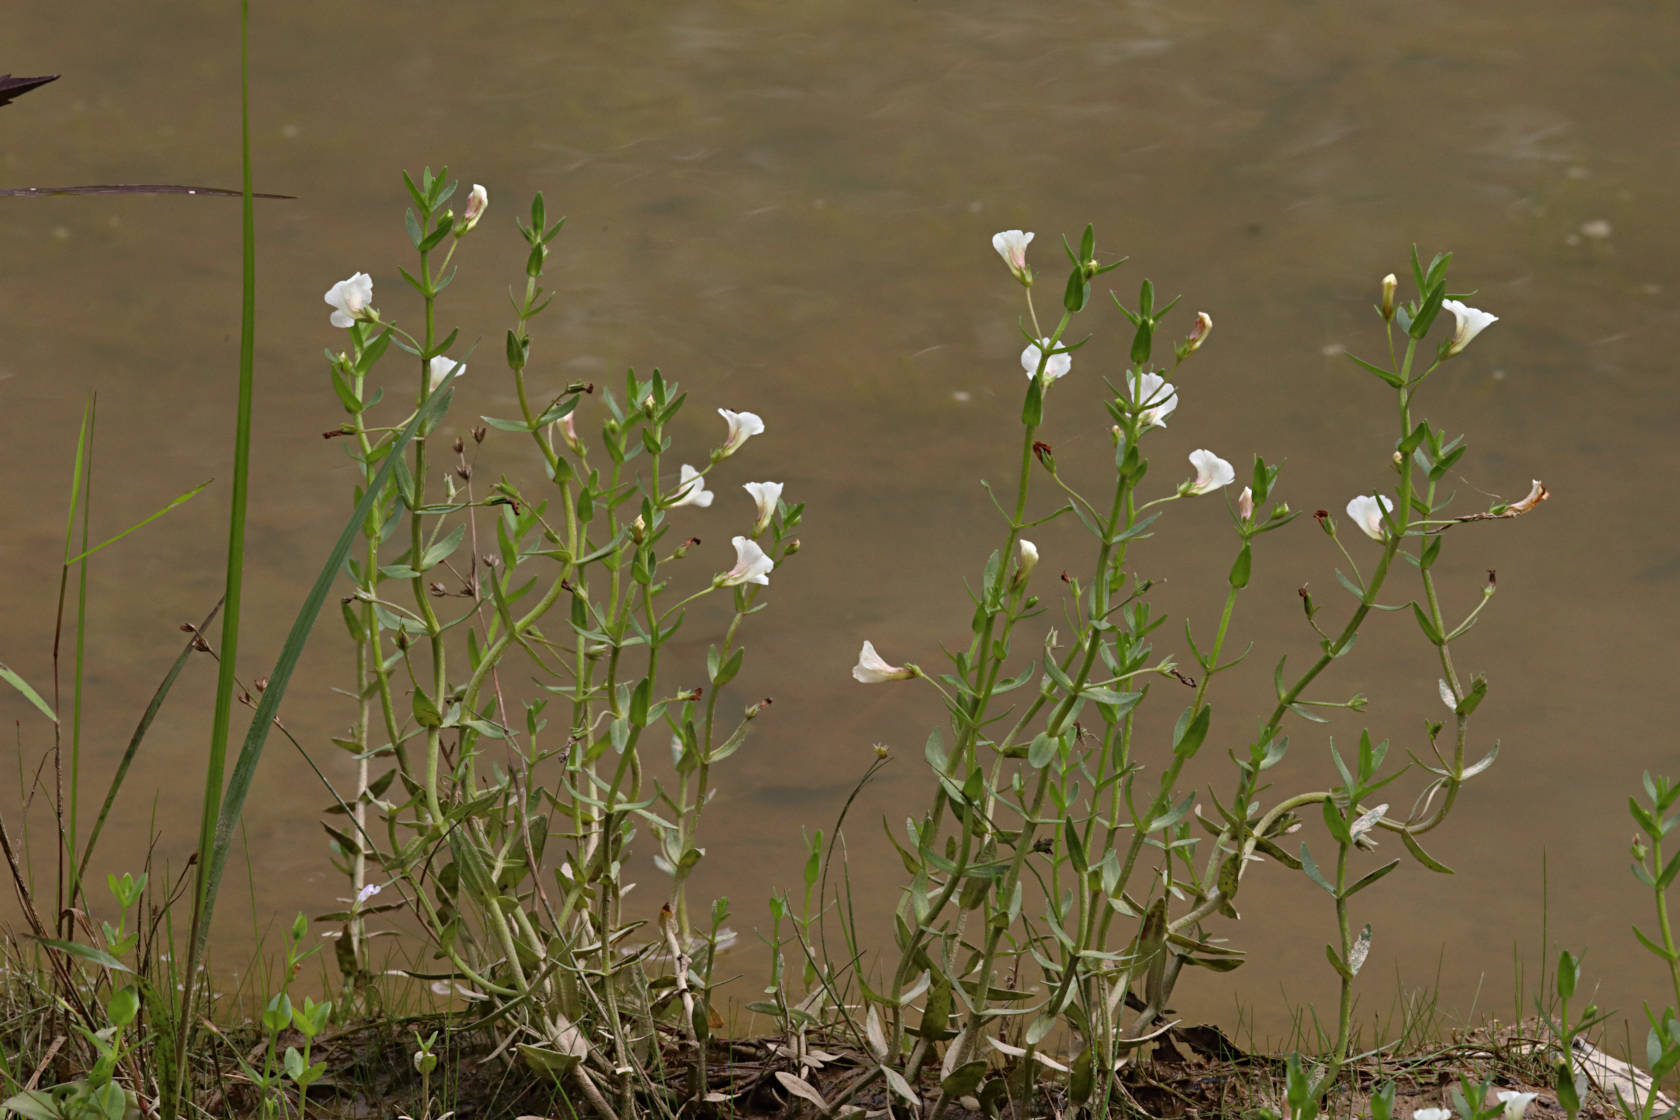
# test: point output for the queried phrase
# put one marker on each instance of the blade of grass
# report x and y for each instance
(10, 677)
(179, 500)
(134, 741)
(203, 888)
(77, 474)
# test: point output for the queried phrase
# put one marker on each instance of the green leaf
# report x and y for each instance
(29, 694)
(1077, 292)
(1367, 880)
(426, 713)
(1427, 310)
(1389, 376)
(1238, 579)
(440, 551)
(1422, 856)
(1188, 735)
(86, 953)
(724, 673)
(506, 425)
(1312, 871)
(123, 1006)
(1032, 408)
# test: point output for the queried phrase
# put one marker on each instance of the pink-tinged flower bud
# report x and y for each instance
(1026, 559)
(1011, 245)
(1536, 494)
(872, 668)
(1389, 285)
(1198, 333)
(476, 203)
(1245, 504)
(567, 427)
(1467, 324)
(765, 496)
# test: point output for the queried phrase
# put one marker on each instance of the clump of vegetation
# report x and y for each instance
(518, 736)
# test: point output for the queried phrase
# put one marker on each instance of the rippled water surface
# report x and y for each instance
(787, 207)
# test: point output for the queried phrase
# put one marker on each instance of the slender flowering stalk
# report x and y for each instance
(872, 668)
(350, 298)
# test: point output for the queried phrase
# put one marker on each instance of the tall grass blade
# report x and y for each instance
(245, 767)
(179, 500)
(216, 763)
(79, 485)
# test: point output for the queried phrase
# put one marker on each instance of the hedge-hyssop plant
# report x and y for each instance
(1063, 873)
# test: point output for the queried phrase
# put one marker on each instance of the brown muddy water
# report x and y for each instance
(788, 208)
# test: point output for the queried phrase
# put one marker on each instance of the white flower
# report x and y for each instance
(751, 565)
(1212, 472)
(567, 427)
(1367, 512)
(691, 489)
(872, 668)
(441, 367)
(1515, 1103)
(1467, 325)
(368, 892)
(1057, 366)
(1198, 333)
(1011, 245)
(1245, 503)
(1432, 1114)
(1026, 559)
(742, 426)
(765, 495)
(349, 298)
(1155, 396)
(476, 202)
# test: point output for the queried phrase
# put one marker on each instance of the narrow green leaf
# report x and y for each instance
(10, 677)
(86, 953)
